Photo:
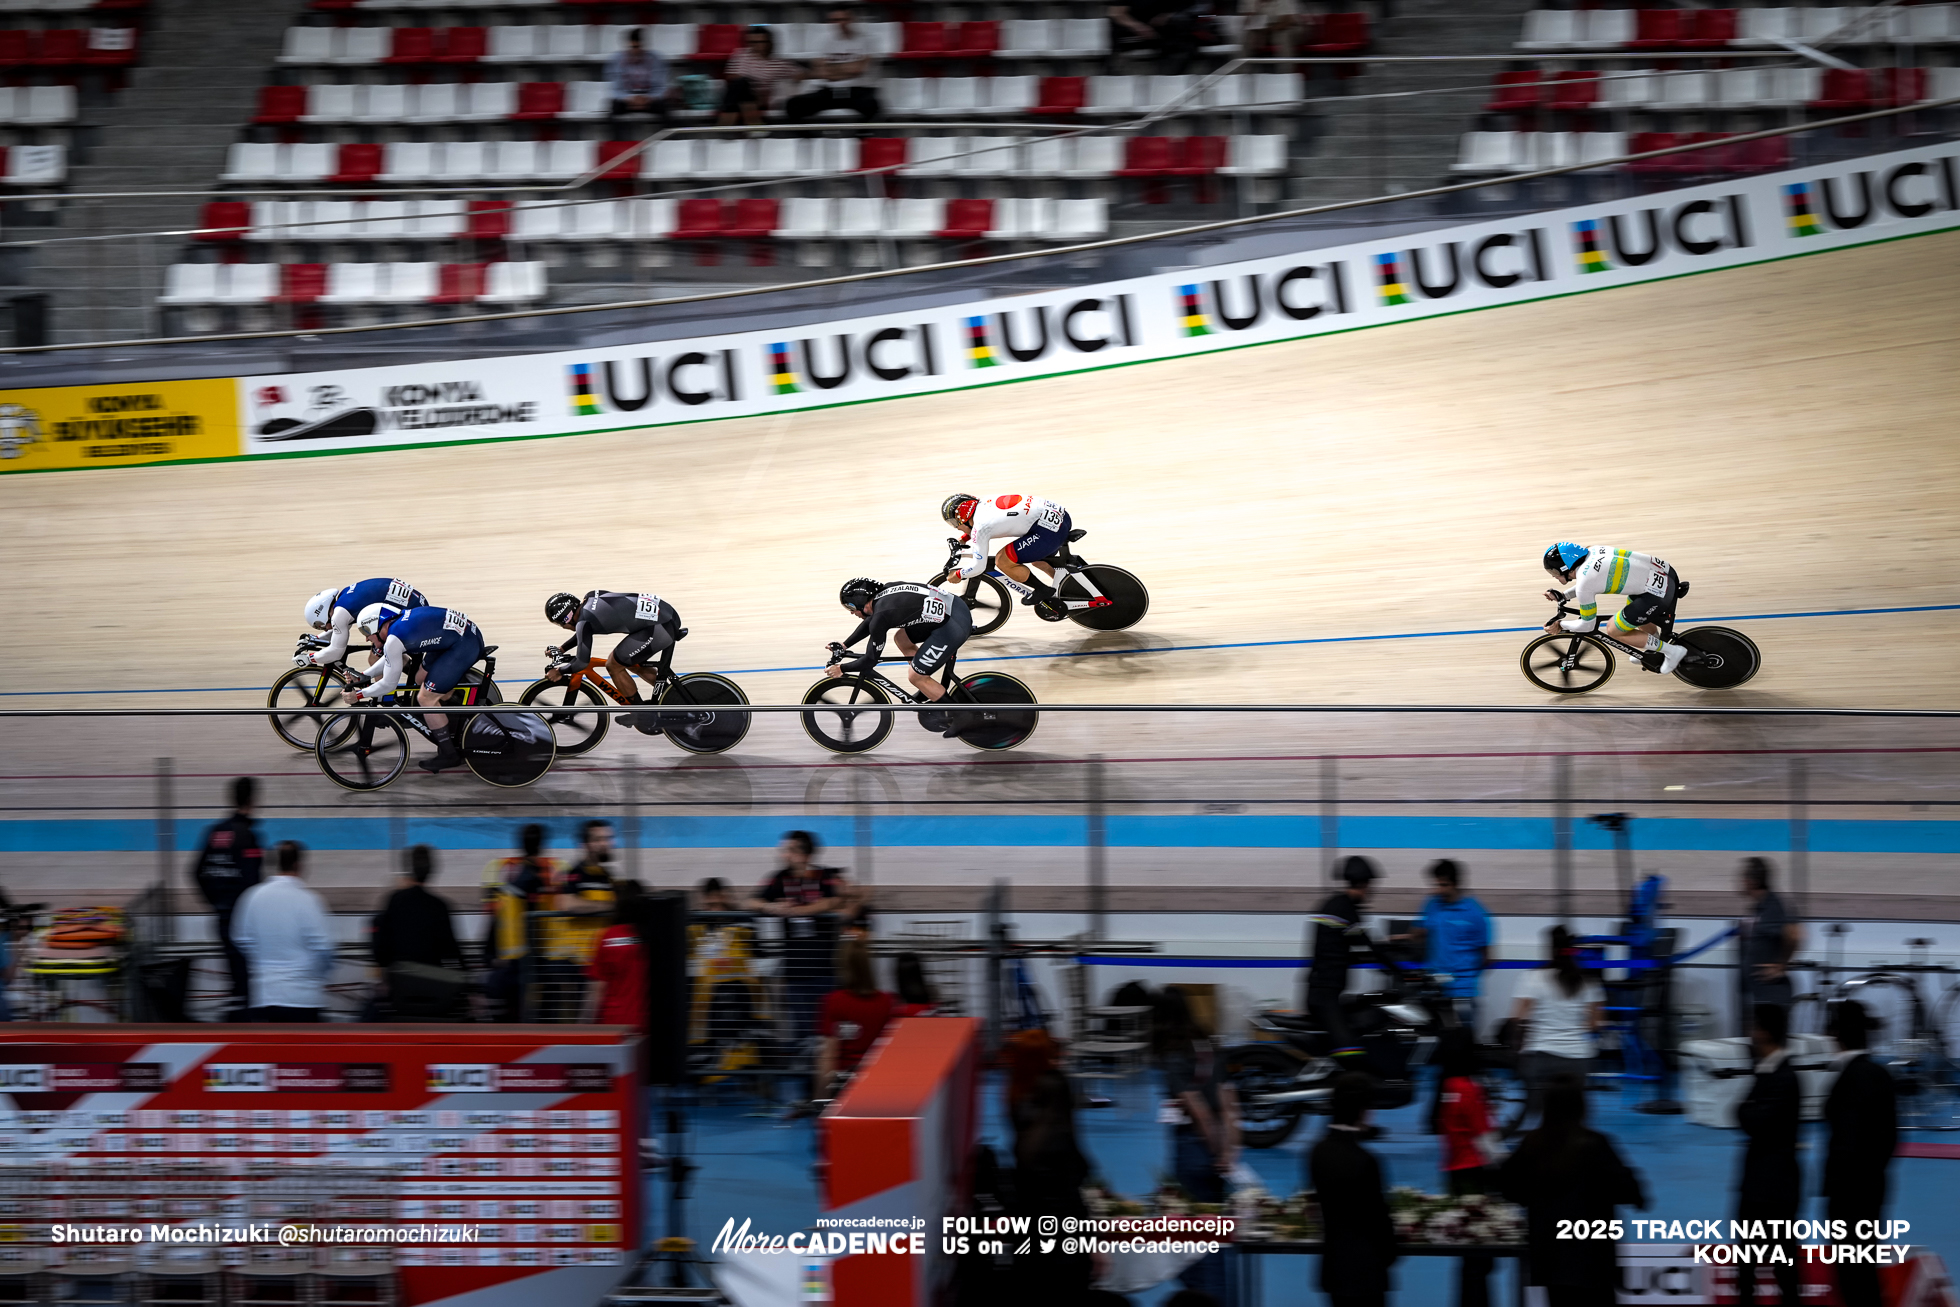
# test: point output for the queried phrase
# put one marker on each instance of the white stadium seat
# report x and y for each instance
(1605, 29)
(1018, 219)
(190, 283)
(361, 45)
(858, 217)
(384, 104)
(352, 283)
(1095, 156)
(1255, 156)
(1118, 95)
(489, 102)
(804, 218)
(536, 220)
(437, 102)
(251, 161)
(309, 162)
(651, 217)
(1632, 88)
(1080, 220)
(915, 219)
(1012, 94)
(247, 283)
(513, 283)
(671, 159)
(1081, 38)
(308, 45)
(910, 97)
(1489, 152)
(1029, 38)
(409, 161)
(586, 101)
(566, 160)
(1550, 29)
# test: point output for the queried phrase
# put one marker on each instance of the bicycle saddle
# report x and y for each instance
(489, 649)
(680, 634)
(1081, 531)
(1285, 1022)
(1682, 592)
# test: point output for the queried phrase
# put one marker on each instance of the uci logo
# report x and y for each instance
(462, 1078)
(238, 1078)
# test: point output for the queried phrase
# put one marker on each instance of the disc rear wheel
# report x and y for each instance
(705, 725)
(847, 725)
(1567, 664)
(1128, 600)
(1004, 716)
(509, 749)
(1719, 658)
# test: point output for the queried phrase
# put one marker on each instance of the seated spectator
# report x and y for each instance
(283, 929)
(1172, 30)
(728, 1005)
(755, 79)
(618, 970)
(513, 888)
(847, 67)
(853, 1016)
(639, 81)
(1272, 28)
(413, 940)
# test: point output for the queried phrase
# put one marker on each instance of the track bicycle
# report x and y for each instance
(1095, 595)
(309, 687)
(1568, 662)
(367, 750)
(991, 709)
(703, 726)
(1911, 1039)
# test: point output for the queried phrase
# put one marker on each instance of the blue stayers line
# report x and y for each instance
(1105, 653)
(494, 835)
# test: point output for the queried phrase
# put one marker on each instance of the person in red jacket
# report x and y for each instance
(1461, 1115)
(852, 1016)
(618, 969)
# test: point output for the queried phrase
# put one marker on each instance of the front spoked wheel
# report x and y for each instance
(576, 727)
(362, 751)
(305, 687)
(1567, 664)
(1128, 600)
(847, 724)
(705, 724)
(990, 602)
(509, 749)
(1003, 716)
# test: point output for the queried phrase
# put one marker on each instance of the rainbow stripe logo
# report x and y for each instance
(1390, 275)
(782, 373)
(1796, 203)
(1191, 312)
(815, 1283)
(979, 351)
(1585, 234)
(585, 404)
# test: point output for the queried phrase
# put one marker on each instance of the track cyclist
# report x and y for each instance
(1034, 528)
(928, 624)
(1651, 586)
(336, 609)
(650, 625)
(448, 642)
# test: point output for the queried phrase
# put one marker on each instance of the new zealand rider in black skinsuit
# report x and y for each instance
(650, 625)
(929, 626)
(1336, 926)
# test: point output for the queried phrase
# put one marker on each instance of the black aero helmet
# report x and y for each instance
(857, 591)
(1358, 871)
(1562, 557)
(559, 608)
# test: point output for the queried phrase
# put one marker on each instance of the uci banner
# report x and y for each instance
(114, 426)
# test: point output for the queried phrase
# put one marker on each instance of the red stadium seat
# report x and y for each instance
(754, 218)
(62, 48)
(967, 220)
(1572, 92)
(976, 40)
(1197, 156)
(359, 161)
(1340, 34)
(613, 166)
(459, 283)
(331, 5)
(539, 101)
(1713, 29)
(700, 219)
(411, 45)
(1659, 29)
(1062, 95)
(281, 104)
(923, 41)
(464, 45)
(716, 41)
(1513, 92)
(301, 283)
(1642, 142)
(881, 152)
(1897, 86)
(489, 220)
(1146, 156)
(16, 48)
(224, 220)
(1767, 155)
(1845, 88)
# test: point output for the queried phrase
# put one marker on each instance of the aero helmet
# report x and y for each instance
(376, 616)
(1562, 557)
(957, 511)
(559, 608)
(857, 591)
(319, 609)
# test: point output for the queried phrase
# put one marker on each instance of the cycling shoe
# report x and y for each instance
(933, 719)
(446, 757)
(1050, 610)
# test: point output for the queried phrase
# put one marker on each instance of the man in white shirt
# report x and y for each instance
(283, 930)
(847, 68)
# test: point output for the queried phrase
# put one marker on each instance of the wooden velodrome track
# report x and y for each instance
(1783, 433)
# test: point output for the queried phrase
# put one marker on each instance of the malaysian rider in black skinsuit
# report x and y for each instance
(649, 623)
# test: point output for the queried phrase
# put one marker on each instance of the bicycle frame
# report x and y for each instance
(1066, 564)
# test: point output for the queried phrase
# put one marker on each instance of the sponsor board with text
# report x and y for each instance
(116, 426)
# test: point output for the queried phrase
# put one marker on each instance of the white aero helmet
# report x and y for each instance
(319, 609)
(376, 616)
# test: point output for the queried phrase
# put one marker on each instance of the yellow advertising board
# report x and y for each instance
(117, 426)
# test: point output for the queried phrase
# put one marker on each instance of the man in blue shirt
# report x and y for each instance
(1454, 938)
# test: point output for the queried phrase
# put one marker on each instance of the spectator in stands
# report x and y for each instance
(853, 1016)
(1358, 1234)
(1560, 1009)
(228, 864)
(1272, 28)
(413, 940)
(727, 995)
(1168, 29)
(1767, 938)
(1454, 938)
(14, 924)
(1563, 1171)
(801, 893)
(755, 79)
(513, 888)
(287, 938)
(639, 81)
(618, 970)
(582, 901)
(1460, 1113)
(1049, 1170)
(847, 67)
(915, 992)
(1863, 1114)
(1770, 1187)
(713, 896)
(1205, 1131)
